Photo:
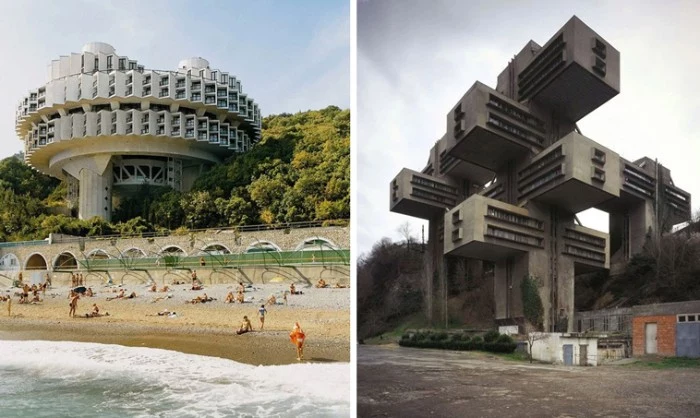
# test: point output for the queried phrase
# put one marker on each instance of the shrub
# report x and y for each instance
(441, 340)
(491, 336)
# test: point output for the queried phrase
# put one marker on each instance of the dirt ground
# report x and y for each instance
(394, 381)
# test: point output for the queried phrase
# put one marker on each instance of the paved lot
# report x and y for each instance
(406, 382)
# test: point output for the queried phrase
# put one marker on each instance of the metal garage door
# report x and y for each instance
(688, 339)
(568, 354)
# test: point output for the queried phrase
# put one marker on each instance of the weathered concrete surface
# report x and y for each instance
(393, 381)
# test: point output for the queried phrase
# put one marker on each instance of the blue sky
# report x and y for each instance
(290, 55)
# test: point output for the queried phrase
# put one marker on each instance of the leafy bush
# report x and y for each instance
(491, 336)
(461, 342)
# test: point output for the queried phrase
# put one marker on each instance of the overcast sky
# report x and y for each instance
(290, 56)
(417, 58)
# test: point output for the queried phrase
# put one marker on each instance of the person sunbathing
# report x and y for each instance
(166, 312)
(120, 295)
(196, 285)
(36, 297)
(165, 289)
(272, 300)
(294, 291)
(131, 295)
(321, 283)
(153, 288)
(229, 298)
(89, 292)
(95, 312)
(246, 326)
(342, 286)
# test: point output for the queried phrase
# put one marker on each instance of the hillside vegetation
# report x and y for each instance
(391, 285)
(300, 171)
(668, 272)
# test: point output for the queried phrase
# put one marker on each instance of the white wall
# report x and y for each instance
(550, 348)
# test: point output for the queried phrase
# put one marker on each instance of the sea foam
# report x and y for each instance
(133, 381)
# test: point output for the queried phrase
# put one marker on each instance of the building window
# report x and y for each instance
(122, 63)
(132, 65)
(109, 62)
(513, 218)
(97, 63)
(598, 175)
(458, 112)
(599, 67)
(598, 156)
(516, 237)
(599, 48)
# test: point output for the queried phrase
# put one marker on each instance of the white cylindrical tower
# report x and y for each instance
(108, 123)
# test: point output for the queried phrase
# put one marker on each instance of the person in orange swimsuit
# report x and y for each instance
(297, 337)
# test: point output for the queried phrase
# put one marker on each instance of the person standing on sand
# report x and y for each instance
(9, 307)
(261, 312)
(297, 336)
(73, 305)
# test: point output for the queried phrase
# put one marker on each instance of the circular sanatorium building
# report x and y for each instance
(107, 125)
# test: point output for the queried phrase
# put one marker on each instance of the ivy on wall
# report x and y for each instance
(532, 303)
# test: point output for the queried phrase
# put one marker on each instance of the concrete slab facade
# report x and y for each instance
(108, 123)
(506, 180)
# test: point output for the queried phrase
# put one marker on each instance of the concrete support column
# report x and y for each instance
(565, 295)
(95, 193)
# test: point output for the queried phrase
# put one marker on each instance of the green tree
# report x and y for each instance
(199, 210)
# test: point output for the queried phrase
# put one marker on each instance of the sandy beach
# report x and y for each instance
(206, 329)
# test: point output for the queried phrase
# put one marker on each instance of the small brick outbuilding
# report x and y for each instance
(667, 329)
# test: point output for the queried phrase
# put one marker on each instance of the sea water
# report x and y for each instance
(71, 379)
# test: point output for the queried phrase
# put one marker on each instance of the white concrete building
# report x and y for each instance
(564, 348)
(106, 124)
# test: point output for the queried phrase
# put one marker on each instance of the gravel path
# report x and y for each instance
(404, 382)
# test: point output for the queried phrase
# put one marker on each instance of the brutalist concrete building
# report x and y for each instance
(504, 183)
(106, 124)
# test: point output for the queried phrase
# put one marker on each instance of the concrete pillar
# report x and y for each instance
(95, 193)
